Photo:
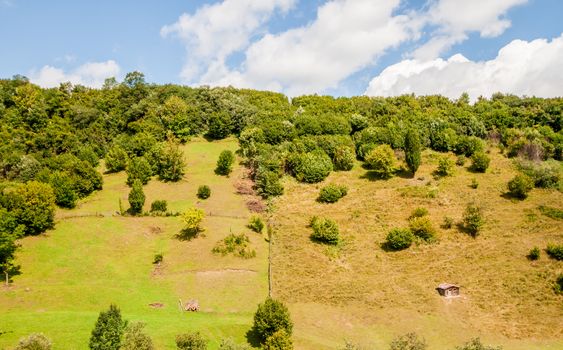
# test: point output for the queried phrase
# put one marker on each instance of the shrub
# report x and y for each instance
(225, 163)
(313, 167)
(558, 286)
(35, 341)
(229, 344)
(418, 213)
(170, 164)
(158, 258)
(480, 162)
(87, 154)
(270, 317)
(238, 245)
(191, 341)
(268, 183)
(344, 158)
(381, 160)
(412, 150)
(280, 340)
(256, 224)
(475, 344)
(474, 184)
(544, 174)
(551, 212)
(108, 331)
(135, 339)
(399, 239)
(473, 219)
(192, 219)
(534, 253)
(460, 160)
(555, 251)
(445, 167)
(220, 125)
(63, 188)
(137, 197)
(33, 206)
(409, 341)
(139, 168)
(203, 192)
(520, 185)
(468, 145)
(448, 222)
(159, 205)
(358, 122)
(325, 230)
(422, 228)
(331, 193)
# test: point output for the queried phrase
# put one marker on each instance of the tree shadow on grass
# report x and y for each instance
(188, 234)
(404, 173)
(253, 338)
(374, 176)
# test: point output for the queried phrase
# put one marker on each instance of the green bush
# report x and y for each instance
(399, 239)
(422, 228)
(468, 145)
(474, 184)
(191, 219)
(555, 251)
(331, 193)
(551, 212)
(159, 205)
(220, 125)
(135, 338)
(558, 286)
(358, 122)
(203, 192)
(520, 185)
(445, 167)
(534, 253)
(63, 187)
(87, 154)
(418, 213)
(170, 164)
(191, 341)
(268, 183)
(139, 168)
(544, 174)
(381, 161)
(344, 158)
(480, 162)
(32, 205)
(448, 223)
(325, 230)
(270, 317)
(473, 219)
(460, 160)
(280, 340)
(413, 150)
(225, 163)
(35, 341)
(475, 344)
(256, 224)
(409, 341)
(238, 245)
(313, 167)
(136, 197)
(229, 344)
(158, 258)
(108, 331)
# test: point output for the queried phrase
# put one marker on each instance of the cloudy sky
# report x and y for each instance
(336, 47)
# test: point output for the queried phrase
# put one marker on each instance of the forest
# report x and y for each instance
(58, 144)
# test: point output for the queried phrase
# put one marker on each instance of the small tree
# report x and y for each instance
(203, 192)
(171, 165)
(270, 317)
(399, 239)
(116, 159)
(325, 230)
(475, 344)
(33, 206)
(192, 219)
(135, 339)
(35, 341)
(225, 163)
(480, 162)
(139, 168)
(280, 340)
(136, 197)
(409, 341)
(63, 187)
(413, 150)
(520, 185)
(534, 254)
(313, 167)
(108, 331)
(445, 167)
(344, 158)
(331, 193)
(381, 160)
(256, 224)
(422, 228)
(191, 341)
(473, 219)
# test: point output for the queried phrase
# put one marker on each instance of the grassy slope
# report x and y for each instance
(86, 263)
(361, 293)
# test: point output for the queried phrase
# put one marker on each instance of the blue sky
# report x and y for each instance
(338, 47)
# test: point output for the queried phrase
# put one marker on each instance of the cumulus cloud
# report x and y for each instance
(216, 31)
(521, 67)
(90, 74)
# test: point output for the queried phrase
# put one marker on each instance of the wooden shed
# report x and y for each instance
(448, 290)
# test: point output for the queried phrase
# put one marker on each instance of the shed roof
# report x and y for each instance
(447, 286)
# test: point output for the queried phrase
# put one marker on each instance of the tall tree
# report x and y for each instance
(108, 331)
(137, 197)
(412, 150)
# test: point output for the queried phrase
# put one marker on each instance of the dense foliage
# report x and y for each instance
(225, 163)
(108, 331)
(36, 341)
(203, 192)
(331, 193)
(191, 341)
(270, 317)
(325, 230)
(136, 197)
(399, 239)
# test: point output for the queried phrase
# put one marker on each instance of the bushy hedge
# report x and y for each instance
(191, 341)
(344, 158)
(546, 174)
(325, 230)
(331, 193)
(473, 219)
(136, 197)
(382, 161)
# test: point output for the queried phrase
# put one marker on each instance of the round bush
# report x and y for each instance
(473, 219)
(35, 341)
(480, 162)
(225, 163)
(280, 340)
(116, 159)
(191, 341)
(418, 213)
(332, 193)
(203, 192)
(325, 230)
(445, 167)
(268, 183)
(534, 253)
(422, 228)
(399, 239)
(344, 158)
(381, 160)
(256, 224)
(313, 167)
(520, 185)
(270, 317)
(139, 168)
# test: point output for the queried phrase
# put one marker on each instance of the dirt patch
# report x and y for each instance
(256, 205)
(156, 305)
(155, 229)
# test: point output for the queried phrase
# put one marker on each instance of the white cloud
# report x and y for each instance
(521, 67)
(216, 31)
(455, 18)
(346, 36)
(90, 74)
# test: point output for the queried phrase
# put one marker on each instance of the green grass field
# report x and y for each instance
(84, 264)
